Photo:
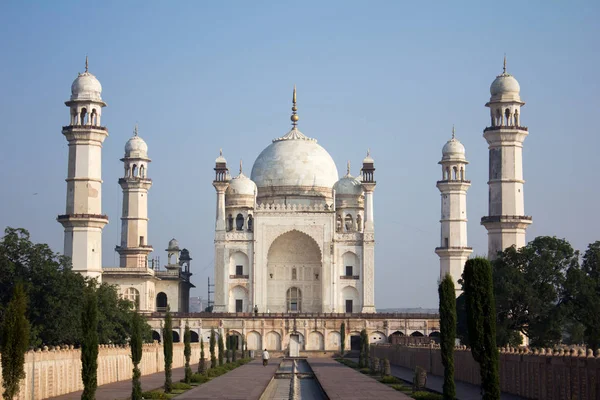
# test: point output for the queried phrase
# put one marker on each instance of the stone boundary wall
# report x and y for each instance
(56, 371)
(533, 374)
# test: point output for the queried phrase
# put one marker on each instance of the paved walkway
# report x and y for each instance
(246, 382)
(122, 390)
(341, 382)
(464, 391)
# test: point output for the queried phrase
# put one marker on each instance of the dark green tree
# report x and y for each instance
(228, 347)
(363, 359)
(234, 347)
(187, 353)
(14, 340)
(213, 358)
(481, 319)
(89, 344)
(168, 350)
(582, 295)
(54, 294)
(343, 339)
(221, 349)
(243, 347)
(462, 328)
(202, 363)
(136, 355)
(447, 310)
(528, 286)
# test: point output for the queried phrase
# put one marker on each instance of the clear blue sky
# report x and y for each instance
(393, 76)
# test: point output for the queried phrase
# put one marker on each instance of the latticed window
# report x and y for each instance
(132, 295)
(294, 299)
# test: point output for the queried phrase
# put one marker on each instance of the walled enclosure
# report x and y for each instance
(54, 372)
(541, 374)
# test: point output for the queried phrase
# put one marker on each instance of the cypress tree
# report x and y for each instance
(15, 339)
(363, 359)
(136, 355)
(243, 347)
(481, 320)
(448, 334)
(89, 344)
(202, 363)
(213, 359)
(187, 353)
(221, 349)
(228, 347)
(168, 351)
(343, 338)
(234, 345)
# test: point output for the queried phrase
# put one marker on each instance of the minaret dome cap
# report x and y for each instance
(136, 146)
(86, 86)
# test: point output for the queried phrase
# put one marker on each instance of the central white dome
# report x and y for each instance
(294, 160)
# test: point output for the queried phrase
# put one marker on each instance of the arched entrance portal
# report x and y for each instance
(294, 261)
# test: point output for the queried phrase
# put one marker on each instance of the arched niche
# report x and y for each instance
(294, 251)
(239, 300)
(239, 262)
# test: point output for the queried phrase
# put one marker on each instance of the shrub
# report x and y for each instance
(419, 379)
(426, 396)
(200, 378)
(401, 388)
(365, 371)
(154, 395)
(387, 370)
(182, 386)
(390, 379)
(374, 365)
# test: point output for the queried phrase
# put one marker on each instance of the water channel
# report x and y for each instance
(294, 380)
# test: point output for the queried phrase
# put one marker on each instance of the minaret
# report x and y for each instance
(506, 222)
(453, 250)
(83, 220)
(221, 183)
(134, 247)
(368, 184)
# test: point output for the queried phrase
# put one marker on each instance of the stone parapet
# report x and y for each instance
(56, 370)
(530, 373)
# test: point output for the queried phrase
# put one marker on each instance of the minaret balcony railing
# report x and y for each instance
(73, 127)
(498, 128)
(499, 218)
(454, 181)
(355, 277)
(134, 179)
(95, 216)
(454, 248)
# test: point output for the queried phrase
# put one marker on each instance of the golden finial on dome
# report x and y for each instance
(135, 130)
(453, 131)
(86, 63)
(221, 152)
(504, 67)
(348, 168)
(294, 116)
(240, 166)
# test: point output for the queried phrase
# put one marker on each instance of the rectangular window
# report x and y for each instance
(293, 305)
(348, 270)
(239, 306)
(446, 242)
(348, 306)
(239, 270)
(141, 240)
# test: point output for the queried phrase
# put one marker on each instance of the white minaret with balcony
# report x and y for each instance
(134, 248)
(83, 220)
(453, 250)
(368, 282)
(506, 221)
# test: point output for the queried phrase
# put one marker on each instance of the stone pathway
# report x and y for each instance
(246, 382)
(342, 382)
(122, 390)
(464, 391)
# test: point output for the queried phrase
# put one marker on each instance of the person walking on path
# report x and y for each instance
(265, 357)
